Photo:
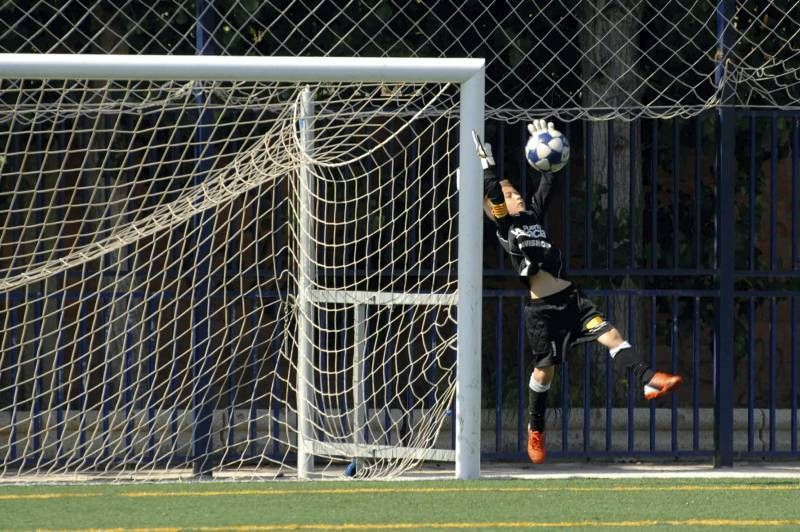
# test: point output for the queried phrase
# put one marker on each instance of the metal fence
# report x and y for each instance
(656, 271)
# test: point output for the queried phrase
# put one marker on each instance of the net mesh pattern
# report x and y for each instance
(595, 59)
(168, 248)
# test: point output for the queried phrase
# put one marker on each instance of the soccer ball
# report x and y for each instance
(547, 150)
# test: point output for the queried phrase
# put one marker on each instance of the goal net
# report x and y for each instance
(254, 268)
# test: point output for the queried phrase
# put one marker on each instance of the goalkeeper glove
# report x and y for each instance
(538, 126)
(483, 151)
(491, 184)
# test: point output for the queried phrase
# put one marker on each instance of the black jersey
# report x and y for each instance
(529, 247)
(524, 238)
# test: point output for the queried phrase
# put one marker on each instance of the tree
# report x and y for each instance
(608, 42)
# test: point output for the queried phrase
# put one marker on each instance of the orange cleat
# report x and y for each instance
(536, 451)
(661, 384)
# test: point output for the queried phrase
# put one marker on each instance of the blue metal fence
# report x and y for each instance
(664, 261)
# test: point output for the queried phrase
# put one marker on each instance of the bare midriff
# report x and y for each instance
(544, 284)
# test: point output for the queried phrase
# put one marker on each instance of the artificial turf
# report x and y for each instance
(594, 504)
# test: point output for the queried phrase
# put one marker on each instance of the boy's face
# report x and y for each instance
(514, 201)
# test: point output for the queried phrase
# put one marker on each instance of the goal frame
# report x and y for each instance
(468, 73)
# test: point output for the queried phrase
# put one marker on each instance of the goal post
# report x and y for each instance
(335, 277)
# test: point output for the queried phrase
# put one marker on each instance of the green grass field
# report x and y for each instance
(597, 504)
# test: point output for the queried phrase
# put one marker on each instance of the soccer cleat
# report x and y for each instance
(536, 451)
(483, 151)
(661, 384)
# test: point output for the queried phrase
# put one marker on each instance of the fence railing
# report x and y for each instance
(651, 263)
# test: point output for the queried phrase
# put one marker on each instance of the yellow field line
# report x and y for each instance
(409, 489)
(45, 496)
(490, 524)
(521, 489)
(523, 524)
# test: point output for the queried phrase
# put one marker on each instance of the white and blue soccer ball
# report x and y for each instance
(547, 150)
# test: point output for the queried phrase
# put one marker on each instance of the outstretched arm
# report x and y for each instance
(540, 200)
(491, 186)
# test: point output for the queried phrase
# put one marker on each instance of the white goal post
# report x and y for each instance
(365, 149)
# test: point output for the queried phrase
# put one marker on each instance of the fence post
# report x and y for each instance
(724, 356)
(202, 403)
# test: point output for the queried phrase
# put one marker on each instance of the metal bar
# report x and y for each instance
(151, 370)
(773, 179)
(174, 392)
(202, 407)
(751, 210)
(565, 403)
(652, 361)
(235, 68)
(723, 403)
(603, 455)
(795, 232)
(751, 373)
(696, 376)
(276, 389)
(15, 367)
(773, 371)
(654, 198)
(648, 272)
(470, 282)
(793, 378)
(306, 276)
(358, 297)
(698, 195)
(676, 213)
(230, 378)
(498, 378)
(105, 395)
(359, 374)
(609, 382)
(633, 198)
(566, 221)
(587, 215)
(60, 384)
(674, 368)
(127, 379)
(83, 387)
(631, 385)
(587, 398)
(610, 213)
(522, 376)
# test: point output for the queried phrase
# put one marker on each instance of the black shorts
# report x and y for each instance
(557, 322)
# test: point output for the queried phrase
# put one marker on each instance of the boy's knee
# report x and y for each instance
(543, 375)
(611, 339)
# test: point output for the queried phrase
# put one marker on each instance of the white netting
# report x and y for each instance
(567, 59)
(152, 272)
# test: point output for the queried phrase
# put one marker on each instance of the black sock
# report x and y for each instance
(537, 407)
(626, 359)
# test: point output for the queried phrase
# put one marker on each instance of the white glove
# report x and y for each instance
(539, 125)
(483, 151)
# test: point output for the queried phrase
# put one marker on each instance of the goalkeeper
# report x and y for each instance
(558, 315)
